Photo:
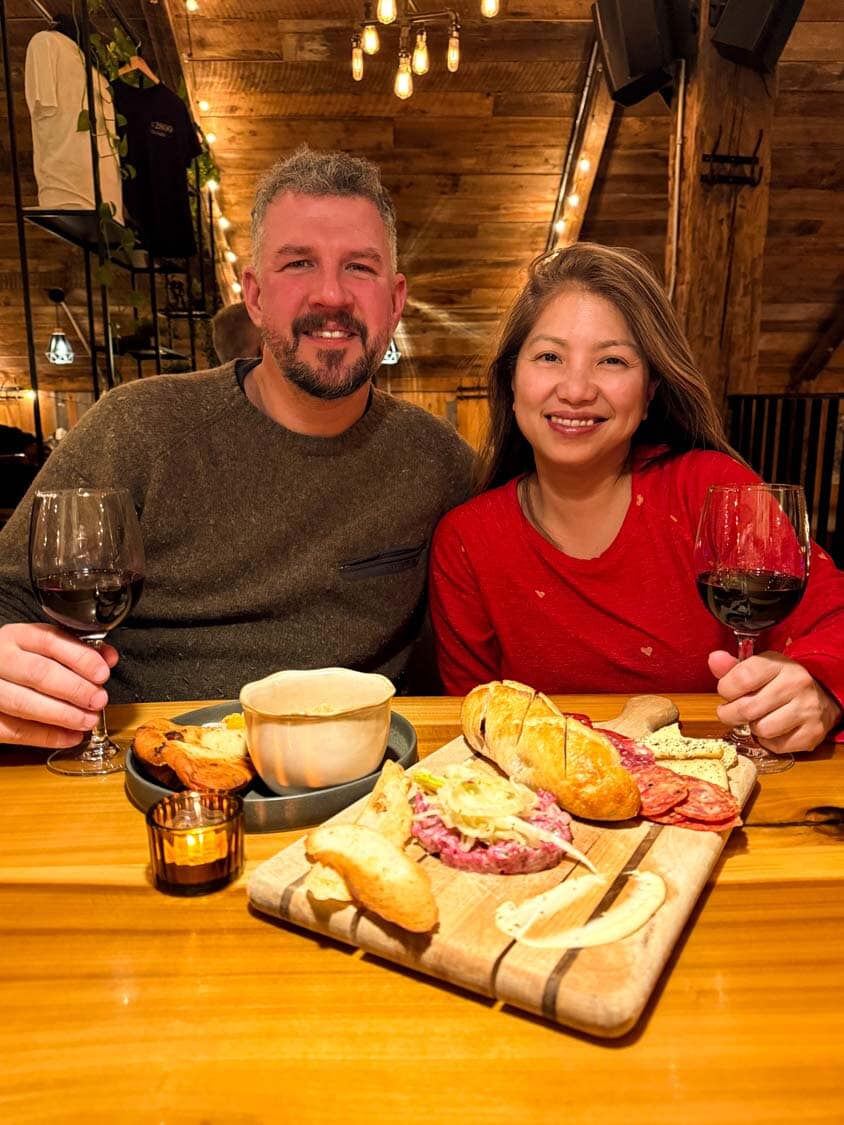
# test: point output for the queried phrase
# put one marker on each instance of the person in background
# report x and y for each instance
(572, 568)
(234, 335)
(286, 505)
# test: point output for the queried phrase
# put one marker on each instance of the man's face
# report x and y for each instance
(325, 295)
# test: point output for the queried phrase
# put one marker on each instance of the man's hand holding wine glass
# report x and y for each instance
(786, 708)
(51, 685)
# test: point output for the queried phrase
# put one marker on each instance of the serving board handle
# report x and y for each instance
(642, 715)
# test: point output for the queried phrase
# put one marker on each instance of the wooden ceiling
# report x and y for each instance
(474, 161)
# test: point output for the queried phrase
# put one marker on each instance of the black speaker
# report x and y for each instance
(754, 32)
(640, 40)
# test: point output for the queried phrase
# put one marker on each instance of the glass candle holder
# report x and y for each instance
(195, 841)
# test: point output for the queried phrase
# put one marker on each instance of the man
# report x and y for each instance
(286, 505)
(234, 335)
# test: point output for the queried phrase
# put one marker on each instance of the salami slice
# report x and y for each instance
(708, 802)
(660, 789)
(677, 819)
(634, 755)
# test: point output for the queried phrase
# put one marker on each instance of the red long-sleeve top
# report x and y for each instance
(505, 603)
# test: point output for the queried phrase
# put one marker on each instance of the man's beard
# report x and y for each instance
(332, 379)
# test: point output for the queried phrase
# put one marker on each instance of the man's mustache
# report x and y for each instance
(312, 322)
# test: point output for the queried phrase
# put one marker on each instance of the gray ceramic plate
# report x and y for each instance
(265, 811)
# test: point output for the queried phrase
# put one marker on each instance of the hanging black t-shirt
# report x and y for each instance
(162, 142)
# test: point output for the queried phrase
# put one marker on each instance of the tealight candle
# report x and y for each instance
(195, 841)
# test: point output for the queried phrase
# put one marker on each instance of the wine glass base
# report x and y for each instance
(763, 760)
(85, 761)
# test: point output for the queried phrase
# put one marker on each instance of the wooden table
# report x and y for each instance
(120, 1004)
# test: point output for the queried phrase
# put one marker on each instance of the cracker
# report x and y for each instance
(708, 769)
(669, 744)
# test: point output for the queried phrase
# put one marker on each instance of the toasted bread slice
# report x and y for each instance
(198, 757)
(387, 810)
(378, 873)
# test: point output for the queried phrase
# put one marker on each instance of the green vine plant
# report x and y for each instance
(110, 55)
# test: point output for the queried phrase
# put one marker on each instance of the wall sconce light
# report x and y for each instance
(59, 352)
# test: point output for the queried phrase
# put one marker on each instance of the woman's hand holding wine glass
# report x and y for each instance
(86, 565)
(786, 706)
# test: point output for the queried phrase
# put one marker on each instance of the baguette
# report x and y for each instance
(526, 736)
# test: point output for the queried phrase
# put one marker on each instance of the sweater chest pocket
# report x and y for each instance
(386, 562)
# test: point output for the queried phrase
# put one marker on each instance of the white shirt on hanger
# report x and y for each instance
(56, 93)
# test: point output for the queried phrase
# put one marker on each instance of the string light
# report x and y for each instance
(420, 61)
(223, 223)
(573, 199)
(560, 226)
(211, 138)
(489, 8)
(204, 106)
(237, 287)
(212, 185)
(192, 5)
(230, 256)
(584, 164)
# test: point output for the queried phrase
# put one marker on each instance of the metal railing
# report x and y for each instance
(797, 439)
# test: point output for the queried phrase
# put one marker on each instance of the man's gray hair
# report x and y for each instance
(308, 172)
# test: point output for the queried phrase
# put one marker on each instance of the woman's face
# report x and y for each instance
(581, 386)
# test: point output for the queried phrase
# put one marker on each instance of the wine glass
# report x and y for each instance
(86, 565)
(752, 563)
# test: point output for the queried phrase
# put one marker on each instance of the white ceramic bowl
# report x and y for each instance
(310, 729)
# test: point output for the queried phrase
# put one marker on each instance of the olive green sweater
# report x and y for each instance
(265, 549)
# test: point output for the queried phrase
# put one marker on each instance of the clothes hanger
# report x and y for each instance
(137, 63)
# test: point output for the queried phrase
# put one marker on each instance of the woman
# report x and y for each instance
(572, 568)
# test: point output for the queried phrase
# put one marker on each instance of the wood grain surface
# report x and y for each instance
(121, 1004)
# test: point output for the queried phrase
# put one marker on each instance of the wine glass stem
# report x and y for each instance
(98, 738)
(746, 645)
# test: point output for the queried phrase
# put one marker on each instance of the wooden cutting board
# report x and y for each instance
(601, 990)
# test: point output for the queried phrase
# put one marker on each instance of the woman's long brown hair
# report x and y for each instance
(682, 414)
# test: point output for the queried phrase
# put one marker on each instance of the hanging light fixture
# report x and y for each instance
(370, 40)
(59, 352)
(386, 11)
(453, 56)
(357, 58)
(420, 62)
(403, 85)
(413, 26)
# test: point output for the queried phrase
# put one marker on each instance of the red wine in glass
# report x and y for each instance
(86, 565)
(88, 601)
(752, 561)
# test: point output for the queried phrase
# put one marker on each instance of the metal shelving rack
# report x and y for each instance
(96, 236)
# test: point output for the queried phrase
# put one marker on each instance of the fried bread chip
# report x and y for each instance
(378, 873)
(193, 756)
